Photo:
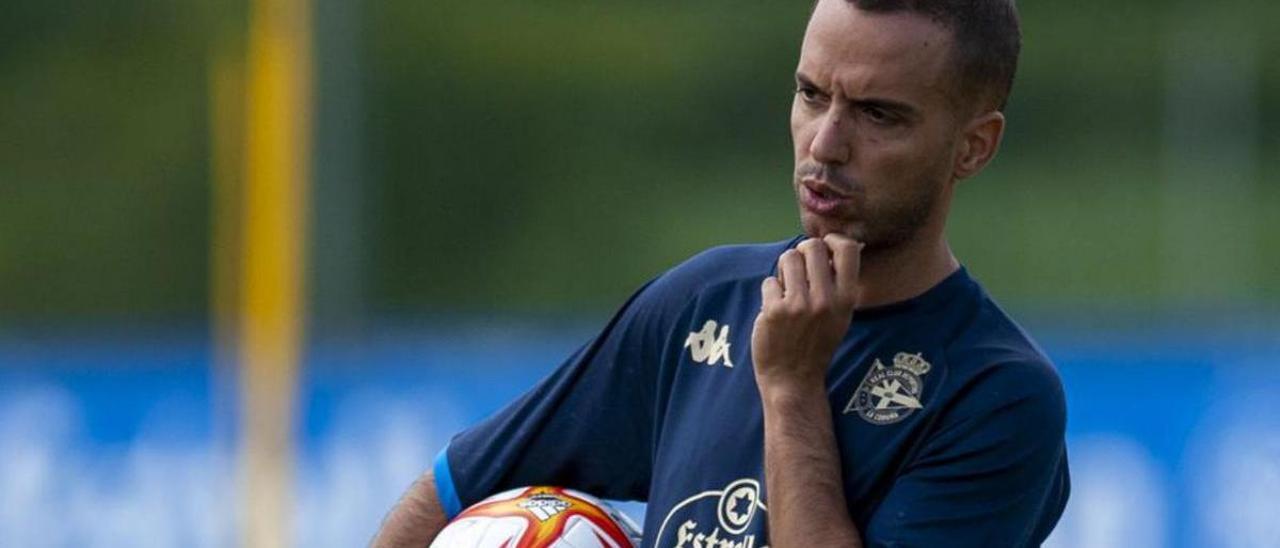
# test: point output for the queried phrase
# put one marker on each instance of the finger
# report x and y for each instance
(770, 291)
(846, 258)
(791, 272)
(817, 263)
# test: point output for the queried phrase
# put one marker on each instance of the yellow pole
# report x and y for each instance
(272, 274)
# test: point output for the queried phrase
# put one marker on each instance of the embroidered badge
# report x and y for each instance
(891, 393)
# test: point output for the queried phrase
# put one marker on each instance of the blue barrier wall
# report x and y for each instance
(1174, 435)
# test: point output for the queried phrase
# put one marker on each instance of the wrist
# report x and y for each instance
(790, 391)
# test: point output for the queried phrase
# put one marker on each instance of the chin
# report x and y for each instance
(817, 227)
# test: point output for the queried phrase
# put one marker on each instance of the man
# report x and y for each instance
(883, 399)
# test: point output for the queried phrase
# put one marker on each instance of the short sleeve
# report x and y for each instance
(993, 474)
(587, 426)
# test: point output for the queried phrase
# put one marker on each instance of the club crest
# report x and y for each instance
(890, 393)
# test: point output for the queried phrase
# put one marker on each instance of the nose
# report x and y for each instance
(831, 144)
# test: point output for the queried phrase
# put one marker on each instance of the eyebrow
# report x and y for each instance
(878, 102)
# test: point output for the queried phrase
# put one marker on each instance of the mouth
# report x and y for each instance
(821, 198)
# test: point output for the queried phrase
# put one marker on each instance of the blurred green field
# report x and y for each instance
(551, 157)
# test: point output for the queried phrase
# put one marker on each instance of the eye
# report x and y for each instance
(809, 95)
(879, 116)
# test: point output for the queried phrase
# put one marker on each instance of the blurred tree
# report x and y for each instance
(550, 157)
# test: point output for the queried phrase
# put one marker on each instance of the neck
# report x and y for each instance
(893, 275)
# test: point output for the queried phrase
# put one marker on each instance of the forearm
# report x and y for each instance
(802, 472)
(415, 520)
(804, 314)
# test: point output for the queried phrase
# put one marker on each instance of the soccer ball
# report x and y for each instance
(539, 517)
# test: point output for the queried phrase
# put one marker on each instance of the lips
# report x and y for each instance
(823, 199)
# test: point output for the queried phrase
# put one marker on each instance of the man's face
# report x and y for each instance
(874, 125)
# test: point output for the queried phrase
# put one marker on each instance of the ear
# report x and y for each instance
(979, 141)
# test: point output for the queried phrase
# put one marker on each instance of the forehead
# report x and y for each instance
(903, 55)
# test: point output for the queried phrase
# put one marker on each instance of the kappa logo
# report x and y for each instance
(890, 394)
(544, 506)
(706, 347)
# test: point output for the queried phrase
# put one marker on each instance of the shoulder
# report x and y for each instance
(996, 367)
(660, 302)
(720, 265)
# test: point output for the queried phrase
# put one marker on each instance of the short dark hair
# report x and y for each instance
(987, 39)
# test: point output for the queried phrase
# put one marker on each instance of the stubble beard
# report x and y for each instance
(883, 228)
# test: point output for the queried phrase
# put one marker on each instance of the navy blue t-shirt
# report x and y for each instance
(949, 419)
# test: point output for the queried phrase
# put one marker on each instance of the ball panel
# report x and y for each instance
(539, 517)
(481, 532)
(580, 532)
